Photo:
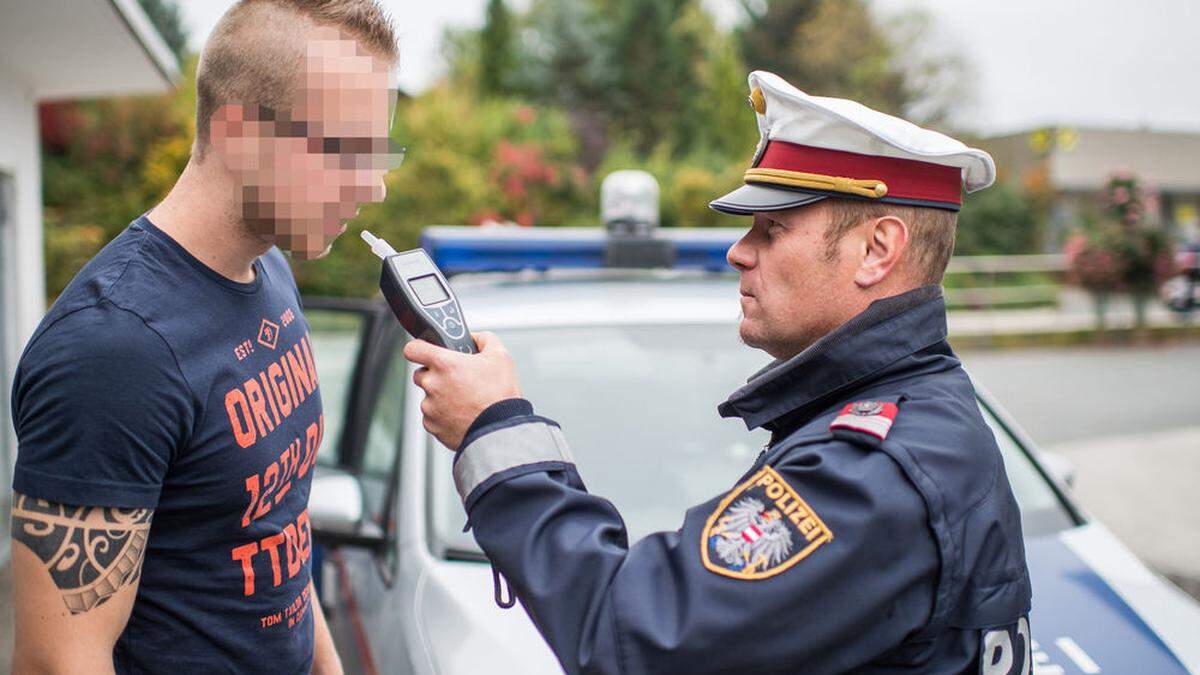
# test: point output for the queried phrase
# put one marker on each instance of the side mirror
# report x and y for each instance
(335, 509)
(1062, 468)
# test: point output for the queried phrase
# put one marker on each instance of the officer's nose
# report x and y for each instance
(741, 254)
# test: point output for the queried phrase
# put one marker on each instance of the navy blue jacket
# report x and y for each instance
(876, 533)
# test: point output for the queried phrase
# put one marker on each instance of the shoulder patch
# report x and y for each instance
(870, 417)
(761, 528)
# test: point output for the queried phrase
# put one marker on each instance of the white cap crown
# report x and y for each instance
(787, 114)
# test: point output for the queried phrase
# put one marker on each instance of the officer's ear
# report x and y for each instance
(884, 241)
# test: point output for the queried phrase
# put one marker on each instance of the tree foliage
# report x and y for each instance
(1121, 250)
(537, 107)
(840, 48)
(496, 49)
(107, 162)
(164, 14)
(1000, 220)
(654, 76)
(470, 160)
(767, 37)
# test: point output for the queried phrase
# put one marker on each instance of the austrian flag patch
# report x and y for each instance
(870, 417)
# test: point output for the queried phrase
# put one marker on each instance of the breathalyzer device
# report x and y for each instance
(420, 297)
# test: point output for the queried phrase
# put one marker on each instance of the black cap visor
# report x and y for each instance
(750, 199)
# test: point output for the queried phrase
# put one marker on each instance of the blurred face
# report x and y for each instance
(791, 293)
(304, 172)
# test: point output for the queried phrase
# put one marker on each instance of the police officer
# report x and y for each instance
(876, 533)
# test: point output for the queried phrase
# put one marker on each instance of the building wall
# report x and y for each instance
(1077, 163)
(1168, 161)
(22, 278)
(1082, 159)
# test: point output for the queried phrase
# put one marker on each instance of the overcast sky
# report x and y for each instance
(1108, 63)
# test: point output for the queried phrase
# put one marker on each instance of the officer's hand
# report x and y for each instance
(460, 386)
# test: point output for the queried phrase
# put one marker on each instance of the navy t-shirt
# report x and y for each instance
(155, 382)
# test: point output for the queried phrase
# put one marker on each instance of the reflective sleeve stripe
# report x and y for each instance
(506, 449)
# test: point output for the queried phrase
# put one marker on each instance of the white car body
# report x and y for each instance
(407, 606)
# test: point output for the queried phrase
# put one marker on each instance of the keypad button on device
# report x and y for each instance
(453, 327)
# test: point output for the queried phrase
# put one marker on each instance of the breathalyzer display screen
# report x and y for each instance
(428, 289)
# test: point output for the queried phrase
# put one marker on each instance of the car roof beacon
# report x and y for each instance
(420, 298)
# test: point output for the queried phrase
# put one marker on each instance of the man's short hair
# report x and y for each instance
(930, 233)
(249, 59)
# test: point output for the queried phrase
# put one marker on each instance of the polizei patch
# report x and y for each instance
(760, 529)
(870, 417)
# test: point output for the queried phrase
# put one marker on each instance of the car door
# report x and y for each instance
(353, 506)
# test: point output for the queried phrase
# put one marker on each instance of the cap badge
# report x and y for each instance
(758, 102)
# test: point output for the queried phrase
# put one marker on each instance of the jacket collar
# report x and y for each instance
(860, 351)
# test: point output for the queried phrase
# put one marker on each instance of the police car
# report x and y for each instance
(632, 363)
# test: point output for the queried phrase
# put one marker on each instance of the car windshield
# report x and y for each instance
(638, 407)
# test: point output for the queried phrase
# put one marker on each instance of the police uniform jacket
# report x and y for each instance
(876, 533)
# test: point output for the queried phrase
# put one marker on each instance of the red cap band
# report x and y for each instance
(905, 178)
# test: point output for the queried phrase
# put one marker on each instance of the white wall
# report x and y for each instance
(19, 156)
(1170, 161)
(72, 49)
(23, 283)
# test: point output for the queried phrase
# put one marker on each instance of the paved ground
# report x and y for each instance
(1129, 419)
(1060, 394)
(1143, 488)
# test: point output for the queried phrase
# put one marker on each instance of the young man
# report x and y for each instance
(876, 533)
(167, 407)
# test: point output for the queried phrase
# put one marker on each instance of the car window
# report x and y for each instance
(638, 406)
(387, 418)
(383, 435)
(1041, 510)
(336, 340)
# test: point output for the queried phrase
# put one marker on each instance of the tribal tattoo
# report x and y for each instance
(91, 552)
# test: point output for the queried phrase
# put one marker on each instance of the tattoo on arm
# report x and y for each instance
(91, 552)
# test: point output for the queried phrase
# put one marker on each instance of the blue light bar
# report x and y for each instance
(459, 249)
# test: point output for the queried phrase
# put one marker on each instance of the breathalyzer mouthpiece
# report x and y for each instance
(378, 246)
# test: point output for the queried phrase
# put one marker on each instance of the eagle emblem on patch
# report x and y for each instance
(870, 417)
(760, 529)
(866, 408)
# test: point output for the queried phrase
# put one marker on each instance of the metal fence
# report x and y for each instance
(998, 281)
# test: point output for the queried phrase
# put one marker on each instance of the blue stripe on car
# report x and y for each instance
(1070, 600)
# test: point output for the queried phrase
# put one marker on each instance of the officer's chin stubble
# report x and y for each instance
(784, 335)
(788, 310)
(751, 339)
(776, 350)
